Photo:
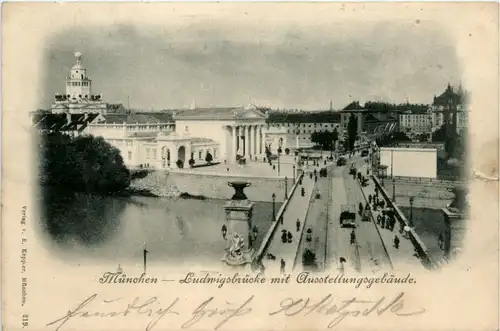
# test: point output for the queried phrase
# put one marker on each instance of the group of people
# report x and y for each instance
(286, 236)
(386, 219)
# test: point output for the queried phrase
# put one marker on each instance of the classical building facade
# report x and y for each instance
(238, 131)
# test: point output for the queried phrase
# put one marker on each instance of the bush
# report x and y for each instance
(280, 150)
(209, 158)
(179, 164)
(191, 162)
(82, 164)
(287, 151)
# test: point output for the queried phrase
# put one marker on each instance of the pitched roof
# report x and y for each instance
(380, 117)
(219, 113)
(449, 95)
(63, 122)
(136, 119)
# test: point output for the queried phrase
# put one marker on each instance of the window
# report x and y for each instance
(154, 153)
(147, 153)
(186, 128)
(129, 156)
(199, 155)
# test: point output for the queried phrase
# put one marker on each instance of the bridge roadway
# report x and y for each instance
(367, 255)
(370, 247)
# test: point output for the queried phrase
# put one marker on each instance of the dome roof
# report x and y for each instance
(77, 66)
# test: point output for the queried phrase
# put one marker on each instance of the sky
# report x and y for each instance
(291, 65)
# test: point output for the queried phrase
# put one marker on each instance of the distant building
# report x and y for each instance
(450, 106)
(371, 123)
(296, 127)
(70, 124)
(415, 123)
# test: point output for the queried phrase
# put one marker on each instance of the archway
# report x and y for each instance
(181, 152)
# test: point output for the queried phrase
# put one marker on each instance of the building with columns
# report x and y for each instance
(238, 131)
(155, 140)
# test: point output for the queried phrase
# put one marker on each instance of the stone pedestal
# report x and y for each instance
(239, 248)
(455, 216)
(455, 231)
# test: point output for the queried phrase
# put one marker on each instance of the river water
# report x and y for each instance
(80, 226)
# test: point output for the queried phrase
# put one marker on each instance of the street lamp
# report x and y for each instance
(393, 190)
(412, 198)
(274, 207)
(286, 187)
(294, 173)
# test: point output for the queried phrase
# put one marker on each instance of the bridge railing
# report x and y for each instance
(420, 247)
(272, 229)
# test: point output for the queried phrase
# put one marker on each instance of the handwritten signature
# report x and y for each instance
(352, 307)
(210, 309)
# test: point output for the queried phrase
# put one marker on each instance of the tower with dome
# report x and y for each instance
(78, 97)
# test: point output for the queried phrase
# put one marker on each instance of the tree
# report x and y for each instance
(209, 158)
(82, 164)
(352, 131)
(287, 151)
(179, 164)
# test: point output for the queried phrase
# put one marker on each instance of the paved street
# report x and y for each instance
(372, 252)
(297, 208)
(317, 219)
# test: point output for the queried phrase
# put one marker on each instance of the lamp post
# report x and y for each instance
(286, 187)
(412, 198)
(144, 253)
(393, 190)
(279, 161)
(274, 207)
(294, 173)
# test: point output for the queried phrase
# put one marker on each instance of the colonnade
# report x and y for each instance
(247, 140)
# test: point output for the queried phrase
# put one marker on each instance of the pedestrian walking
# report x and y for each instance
(353, 237)
(396, 242)
(290, 237)
(297, 224)
(282, 266)
(370, 198)
(283, 236)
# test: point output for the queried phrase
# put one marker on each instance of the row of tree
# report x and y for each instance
(82, 164)
(304, 117)
(385, 106)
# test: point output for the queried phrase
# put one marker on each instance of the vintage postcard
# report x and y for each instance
(250, 166)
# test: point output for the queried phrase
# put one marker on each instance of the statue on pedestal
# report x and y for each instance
(239, 249)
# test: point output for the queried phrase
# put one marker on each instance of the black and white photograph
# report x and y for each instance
(288, 150)
(297, 143)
